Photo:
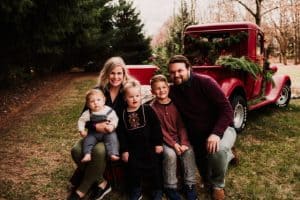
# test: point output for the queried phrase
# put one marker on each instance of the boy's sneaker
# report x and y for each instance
(218, 194)
(157, 195)
(172, 194)
(99, 193)
(190, 192)
(136, 194)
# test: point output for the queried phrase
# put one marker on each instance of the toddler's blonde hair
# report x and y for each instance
(93, 92)
(132, 83)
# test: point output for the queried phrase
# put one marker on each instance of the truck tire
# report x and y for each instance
(239, 107)
(285, 96)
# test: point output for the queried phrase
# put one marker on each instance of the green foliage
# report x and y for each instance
(34, 34)
(206, 48)
(243, 64)
(52, 35)
(176, 33)
(91, 33)
(174, 43)
(240, 64)
(129, 41)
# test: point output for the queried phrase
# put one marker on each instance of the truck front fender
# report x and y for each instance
(273, 91)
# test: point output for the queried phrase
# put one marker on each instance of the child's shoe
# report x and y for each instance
(157, 195)
(172, 194)
(190, 192)
(136, 194)
(218, 194)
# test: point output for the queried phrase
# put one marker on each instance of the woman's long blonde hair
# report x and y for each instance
(110, 64)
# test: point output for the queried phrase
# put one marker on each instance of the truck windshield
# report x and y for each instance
(205, 48)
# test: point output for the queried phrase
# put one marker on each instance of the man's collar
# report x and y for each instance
(187, 83)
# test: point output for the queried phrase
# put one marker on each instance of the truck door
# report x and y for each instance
(260, 61)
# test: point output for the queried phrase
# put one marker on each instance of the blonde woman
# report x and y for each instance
(111, 80)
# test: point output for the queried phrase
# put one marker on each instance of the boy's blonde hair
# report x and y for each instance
(158, 78)
(93, 92)
(132, 83)
(110, 64)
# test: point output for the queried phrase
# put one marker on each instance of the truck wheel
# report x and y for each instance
(239, 107)
(285, 96)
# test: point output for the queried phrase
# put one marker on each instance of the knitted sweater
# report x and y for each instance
(203, 105)
(172, 125)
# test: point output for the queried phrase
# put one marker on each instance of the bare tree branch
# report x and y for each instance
(246, 7)
(269, 10)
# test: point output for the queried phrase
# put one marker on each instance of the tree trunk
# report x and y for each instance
(258, 13)
(284, 59)
(280, 58)
(297, 33)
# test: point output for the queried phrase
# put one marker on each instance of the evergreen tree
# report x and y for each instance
(32, 35)
(51, 35)
(174, 43)
(129, 41)
(42, 36)
(90, 39)
(176, 33)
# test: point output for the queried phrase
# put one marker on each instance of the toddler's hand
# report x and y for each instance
(83, 133)
(159, 149)
(177, 149)
(125, 156)
(183, 148)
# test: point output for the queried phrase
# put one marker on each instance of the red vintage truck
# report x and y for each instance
(242, 70)
(205, 45)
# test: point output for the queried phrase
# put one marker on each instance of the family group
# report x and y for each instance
(187, 123)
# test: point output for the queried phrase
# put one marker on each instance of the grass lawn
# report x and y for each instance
(37, 151)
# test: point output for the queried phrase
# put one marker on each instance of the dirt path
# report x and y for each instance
(30, 98)
(17, 150)
(20, 106)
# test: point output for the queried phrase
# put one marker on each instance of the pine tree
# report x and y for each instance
(90, 39)
(129, 40)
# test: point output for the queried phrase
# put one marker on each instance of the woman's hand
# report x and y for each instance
(159, 149)
(109, 127)
(125, 156)
(101, 127)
